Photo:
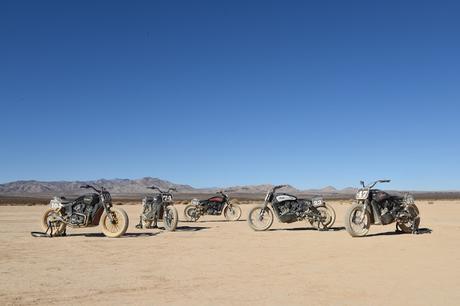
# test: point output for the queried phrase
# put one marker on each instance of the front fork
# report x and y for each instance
(108, 212)
(262, 212)
(363, 215)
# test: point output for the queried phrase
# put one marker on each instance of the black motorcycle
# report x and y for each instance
(213, 206)
(158, 207)
(375, 206)
(288, 209)
(85, 211)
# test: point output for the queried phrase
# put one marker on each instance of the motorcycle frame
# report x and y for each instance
(102, 206)
(370, 205)
(225, 203)
(163, 204)
(268, 203)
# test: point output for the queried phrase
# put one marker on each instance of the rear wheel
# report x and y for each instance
(331, 211)
(415, 219)
(191, 213)
(232, 212)
(117, 226)
(50, 218)
(170, 218)
(357, 220)
(260, 218)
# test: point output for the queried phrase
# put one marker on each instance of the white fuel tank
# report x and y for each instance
(285, 197)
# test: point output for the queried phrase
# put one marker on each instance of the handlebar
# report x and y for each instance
(92, 187)
(221, 192)
(161, 191)
(375, 183)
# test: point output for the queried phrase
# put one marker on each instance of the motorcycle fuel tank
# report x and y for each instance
(216, 199)
(285, 197)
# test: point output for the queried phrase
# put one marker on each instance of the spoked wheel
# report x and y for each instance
(324, 221)
(170, 218)
(232, 212)
(260, 218)
(357, 220)
(331, 212)
(117, 226)
(50, 217)
(414, 222)
(191, 213)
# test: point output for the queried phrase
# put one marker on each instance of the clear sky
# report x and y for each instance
(220, 93)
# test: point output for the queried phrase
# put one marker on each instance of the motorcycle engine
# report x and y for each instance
(151, 205)
(212, 210)
(291, 207)
(78, 212)
(77, 219)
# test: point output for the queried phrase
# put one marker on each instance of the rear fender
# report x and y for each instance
(97, 216)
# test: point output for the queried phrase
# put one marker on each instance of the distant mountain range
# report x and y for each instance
(138, 186)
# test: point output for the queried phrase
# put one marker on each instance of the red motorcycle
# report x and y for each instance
(213, 206)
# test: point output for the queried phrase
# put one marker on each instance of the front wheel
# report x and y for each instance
(357, 220)
(232, 212)
(170, 218)
(117, 226)
(260, 218)
(191, 213)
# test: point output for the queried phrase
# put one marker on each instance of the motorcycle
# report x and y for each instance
(288, 209)
(158, 207)
(85, 211)
(374, 206)
(213, 206)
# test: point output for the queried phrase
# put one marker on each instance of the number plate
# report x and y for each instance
(317, 202)
(362, 194)
(55, 204)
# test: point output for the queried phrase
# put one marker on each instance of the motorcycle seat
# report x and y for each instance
(65, 200)
(396, 197)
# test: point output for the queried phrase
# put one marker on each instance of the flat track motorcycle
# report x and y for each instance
(213, 206)
(158, 207)
(88, 210)
(375, 206)
(287, 208)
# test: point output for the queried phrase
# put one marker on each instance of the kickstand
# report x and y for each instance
(50, 229)
(139, 226)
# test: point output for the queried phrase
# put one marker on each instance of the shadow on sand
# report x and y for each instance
(98, 235)
(190, 228)
(205, 221)
(126, 235)
(421, 231)
(332, 229)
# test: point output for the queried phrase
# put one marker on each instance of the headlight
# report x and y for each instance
(144, 201)
(195, 202)
(107, 197)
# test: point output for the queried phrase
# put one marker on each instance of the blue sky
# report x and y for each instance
(219, 93)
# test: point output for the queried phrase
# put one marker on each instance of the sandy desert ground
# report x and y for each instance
(213, 262)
